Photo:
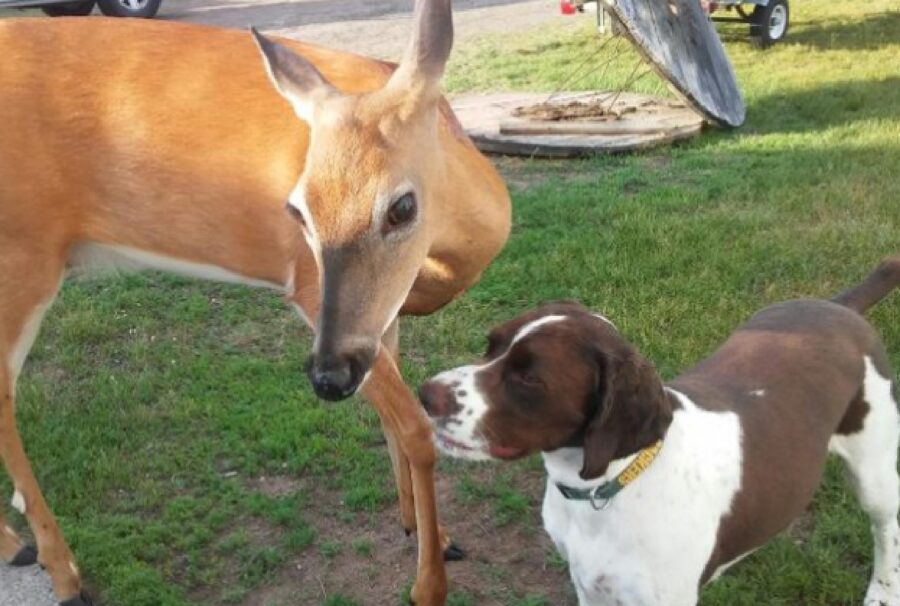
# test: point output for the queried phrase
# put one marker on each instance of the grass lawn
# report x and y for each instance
(189, 463)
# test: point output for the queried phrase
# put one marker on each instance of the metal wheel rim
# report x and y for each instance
(777, 22)
(133, 5)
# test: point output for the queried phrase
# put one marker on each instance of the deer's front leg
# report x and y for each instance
(400, 463)
(402, 415)
(409, 437)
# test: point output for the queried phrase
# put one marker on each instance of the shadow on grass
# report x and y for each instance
(836, 104)
(871, 33)
(877, 30)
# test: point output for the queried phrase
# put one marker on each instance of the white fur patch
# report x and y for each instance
(26, 340)
(871, 458)
(458, 434)
(104, 257)
(605, 319)
(758, 393)
(652, 542)
(18, 502)
(297, 200)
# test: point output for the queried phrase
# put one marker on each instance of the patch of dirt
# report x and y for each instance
(370, 559)
(276, 486)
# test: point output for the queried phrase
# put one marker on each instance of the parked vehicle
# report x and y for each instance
(768, 19)
(68, 8)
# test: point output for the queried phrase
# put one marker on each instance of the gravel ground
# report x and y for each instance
(377, 28)
(25, 587)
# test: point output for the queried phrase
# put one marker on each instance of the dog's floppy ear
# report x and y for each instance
(632, 410)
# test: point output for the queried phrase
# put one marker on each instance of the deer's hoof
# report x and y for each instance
(82, 599)
(453, 553)
(26, 557)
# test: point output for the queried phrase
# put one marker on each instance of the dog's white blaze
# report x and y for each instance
(605, 319)
(533, 327)
(758, 393)
(462, 426)
(681, 496)
(18, 502)
(871, 458)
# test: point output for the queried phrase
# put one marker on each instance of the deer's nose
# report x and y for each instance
(337, 377)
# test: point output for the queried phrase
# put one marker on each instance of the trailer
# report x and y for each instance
(768, 19)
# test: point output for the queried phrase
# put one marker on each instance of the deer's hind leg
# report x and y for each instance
(30, 281)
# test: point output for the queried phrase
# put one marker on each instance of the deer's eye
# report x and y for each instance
(295, 213)
(402, 211)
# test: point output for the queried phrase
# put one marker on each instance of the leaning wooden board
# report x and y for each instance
(678, 39)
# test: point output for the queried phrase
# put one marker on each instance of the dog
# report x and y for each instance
(655, 489)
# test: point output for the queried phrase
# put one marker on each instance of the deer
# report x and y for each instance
(344, 182)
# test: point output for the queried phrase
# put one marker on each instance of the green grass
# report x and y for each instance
(152, 407)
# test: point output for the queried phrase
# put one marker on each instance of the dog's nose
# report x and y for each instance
(336, 377)
(436, 398)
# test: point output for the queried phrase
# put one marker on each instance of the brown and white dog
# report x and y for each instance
(744, 438)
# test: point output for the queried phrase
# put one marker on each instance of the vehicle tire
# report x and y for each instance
(770, 23)
(143, 9)
(69, 9)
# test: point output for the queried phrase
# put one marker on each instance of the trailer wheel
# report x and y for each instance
(69, 9)
(769, 23)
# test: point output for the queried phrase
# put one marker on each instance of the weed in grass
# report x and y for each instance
(460, 598)
(331, 549)
(363, 546)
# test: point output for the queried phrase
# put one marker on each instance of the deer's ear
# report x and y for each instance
(422, 67)
(294, 77)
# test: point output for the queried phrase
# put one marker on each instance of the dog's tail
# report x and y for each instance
(874, 288)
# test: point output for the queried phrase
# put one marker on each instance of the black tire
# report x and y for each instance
(770, 23)
(69, 9)
(142, 9)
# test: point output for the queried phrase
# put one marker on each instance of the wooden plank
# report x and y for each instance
(679, 41)
(590, 127)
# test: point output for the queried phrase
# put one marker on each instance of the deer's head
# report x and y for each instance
(366, 193)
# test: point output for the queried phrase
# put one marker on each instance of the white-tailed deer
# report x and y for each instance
(175, 152)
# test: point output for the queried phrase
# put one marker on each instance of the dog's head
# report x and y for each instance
(554, 377)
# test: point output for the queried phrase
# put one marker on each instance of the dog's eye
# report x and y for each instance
(528, 378)
(521, 370)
